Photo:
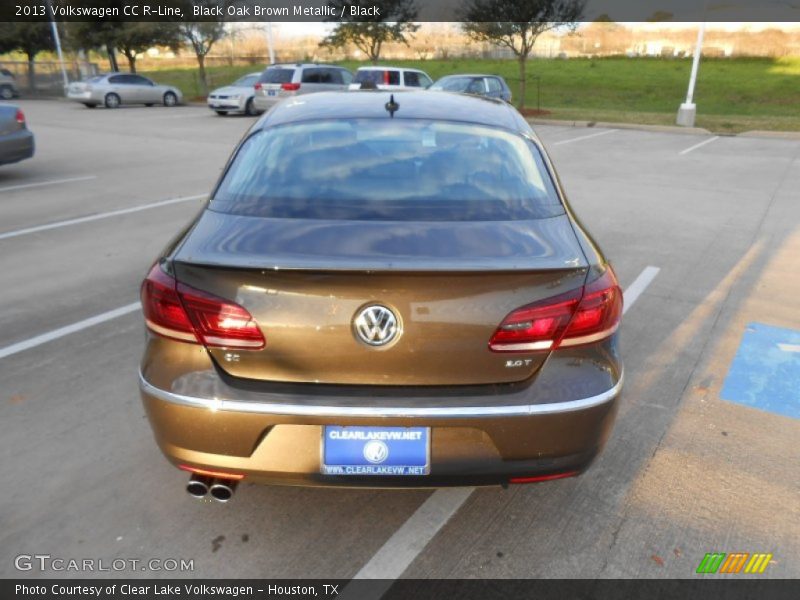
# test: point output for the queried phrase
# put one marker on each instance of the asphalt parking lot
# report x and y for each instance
(705, 238)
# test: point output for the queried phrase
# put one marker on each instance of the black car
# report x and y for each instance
(491, 86)
(16, 140)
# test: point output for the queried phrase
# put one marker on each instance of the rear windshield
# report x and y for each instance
(277, 76)
(378, 77)
(246, 81)
(454, 84)
(388, 169)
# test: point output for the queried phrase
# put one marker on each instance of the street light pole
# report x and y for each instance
(57, 40)
(688, 110)
(269, 43)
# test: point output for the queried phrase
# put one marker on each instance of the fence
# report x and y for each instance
(46, 77)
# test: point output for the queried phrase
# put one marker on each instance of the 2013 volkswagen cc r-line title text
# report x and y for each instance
(383, 290)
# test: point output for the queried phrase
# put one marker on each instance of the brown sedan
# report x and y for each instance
(383, 290)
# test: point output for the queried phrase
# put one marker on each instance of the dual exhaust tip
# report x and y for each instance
(221, 490)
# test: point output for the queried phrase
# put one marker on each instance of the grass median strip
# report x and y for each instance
(732, 94)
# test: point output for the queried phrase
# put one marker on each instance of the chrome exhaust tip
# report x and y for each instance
(222, 489)
(198, 486)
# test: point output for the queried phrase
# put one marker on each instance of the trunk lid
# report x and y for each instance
(448, 284)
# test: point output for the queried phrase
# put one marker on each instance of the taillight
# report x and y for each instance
(583, 316)
(290, 87)
(20, 117)
(257, 87)
(175, 310)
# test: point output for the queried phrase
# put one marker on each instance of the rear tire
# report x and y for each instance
(89, 105)
(221, 113)
(250, 109)
(6, 92)
(170, 99)
(112, 101)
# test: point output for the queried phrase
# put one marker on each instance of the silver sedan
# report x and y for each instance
(115, 89)
(236, 97)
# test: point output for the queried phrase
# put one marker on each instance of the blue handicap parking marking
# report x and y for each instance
(765, 373)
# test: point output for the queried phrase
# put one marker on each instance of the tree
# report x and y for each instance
(368, 33)
(30, 38)
(86, 35)
(7, 41)
(516, 24)
(134, 38)
(202, 36)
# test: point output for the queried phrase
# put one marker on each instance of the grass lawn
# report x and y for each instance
(732, 95)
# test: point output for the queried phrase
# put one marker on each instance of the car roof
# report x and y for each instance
(304, 65)
(457, 75)
(370, 104)
(385, 67)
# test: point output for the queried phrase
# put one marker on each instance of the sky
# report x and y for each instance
(321, 29)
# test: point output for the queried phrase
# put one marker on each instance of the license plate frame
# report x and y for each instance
(392, 451)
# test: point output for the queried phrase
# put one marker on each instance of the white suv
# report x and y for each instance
(282, 81)
(390, 78)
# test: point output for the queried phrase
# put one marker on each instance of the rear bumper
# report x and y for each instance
(227, 104)
(278, 442)
(264, 103)
(87, 97)
(16, 146)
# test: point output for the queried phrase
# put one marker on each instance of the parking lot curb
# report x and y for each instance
(785, 135)
(608, 125)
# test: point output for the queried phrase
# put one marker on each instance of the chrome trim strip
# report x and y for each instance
(532, 346)
(269, 408)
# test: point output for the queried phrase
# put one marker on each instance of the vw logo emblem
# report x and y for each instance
(375, 451)
(376, 325)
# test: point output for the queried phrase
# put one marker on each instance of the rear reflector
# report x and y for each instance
(290, 87)
(539, 478)
(582, 316)
(177, 311)
(217, 474)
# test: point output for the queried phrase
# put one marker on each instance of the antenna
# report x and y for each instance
(392, 106)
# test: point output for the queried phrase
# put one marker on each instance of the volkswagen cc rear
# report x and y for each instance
(386, 291)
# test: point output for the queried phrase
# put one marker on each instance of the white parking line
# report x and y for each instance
(584, 137)
(97, 217)
(23, 186)
(700, 145)
(62, 331)
(639, 285)
(400, 550)
(789, 347)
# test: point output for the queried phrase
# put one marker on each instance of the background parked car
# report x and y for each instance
(8, 85)
(391, 78)
(236, 97)
(283, 81)
(491, 86)
(16, 140)
(115, 89)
